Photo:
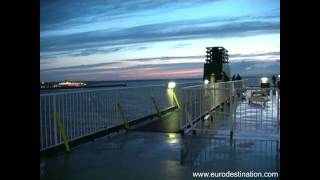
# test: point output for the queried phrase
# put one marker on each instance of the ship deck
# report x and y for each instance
(154, 151)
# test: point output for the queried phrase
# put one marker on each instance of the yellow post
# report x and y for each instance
(213, 78)
(121, 112)
(176, 99)
(172, 94)
(222, 76)
(62, 131)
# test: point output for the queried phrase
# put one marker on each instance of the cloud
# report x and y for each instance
(156, 33)
(80, 67)
(84, 72)
(160, 59)
(165, 58)
(87, 52)
(127, 32)
(45, 56)
(255, 68)
(275, 53)
(57, 14)
(151, 71)
(81, 28)
(180, 46)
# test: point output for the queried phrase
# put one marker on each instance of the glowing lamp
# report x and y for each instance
(264, 80)
(206, 82)
(171, 85)
(264, 83)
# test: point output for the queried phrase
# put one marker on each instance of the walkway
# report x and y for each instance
(168, 123)
(152, 155)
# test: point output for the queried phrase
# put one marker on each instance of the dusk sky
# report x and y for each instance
(142, 39)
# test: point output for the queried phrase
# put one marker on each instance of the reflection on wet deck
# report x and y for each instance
(236, 154)
(251, 119)
(161, 156)
(149, 155)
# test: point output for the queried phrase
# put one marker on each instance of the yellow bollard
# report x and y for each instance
(212, 78)
(172, 93)
(62, 131)
(176, 99)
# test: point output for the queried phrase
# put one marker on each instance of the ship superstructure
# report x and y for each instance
(216, 67)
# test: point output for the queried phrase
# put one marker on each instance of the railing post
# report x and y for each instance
(156, 106)
(171, 93)
(214, 104)
(278, 106)
(200, 104)
(232, 109)
(121, 112)
(176, 99)
(235, 103)
(55, 131)
(62, 131)
(183, 117)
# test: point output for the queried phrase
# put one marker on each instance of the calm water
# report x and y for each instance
(130, 84)
(250, 81)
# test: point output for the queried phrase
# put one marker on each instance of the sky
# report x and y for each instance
(158, 39)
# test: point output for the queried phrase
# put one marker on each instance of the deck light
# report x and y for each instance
(264, 83)
(172, 94)
(171, 85)
(264, 80)
(206, 82)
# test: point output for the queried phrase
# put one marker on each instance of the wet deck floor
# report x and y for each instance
(154, 155)
(168, 123)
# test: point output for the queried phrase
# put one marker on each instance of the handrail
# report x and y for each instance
(212, 84)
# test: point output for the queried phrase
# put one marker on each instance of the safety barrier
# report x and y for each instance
(68, 116)
(244, 109)
(199, 100)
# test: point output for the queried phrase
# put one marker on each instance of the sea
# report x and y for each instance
(250, 81)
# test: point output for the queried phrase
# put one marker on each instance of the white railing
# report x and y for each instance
(200, 100)
(248, 109)
(86, 112)
(258, 110)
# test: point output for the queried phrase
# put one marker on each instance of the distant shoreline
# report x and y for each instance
(90, 86)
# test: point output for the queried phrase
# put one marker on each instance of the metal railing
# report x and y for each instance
(244, 109)
(86, 112)
(202, 99)
(69, 116)
(259, 110)
(254, 153)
